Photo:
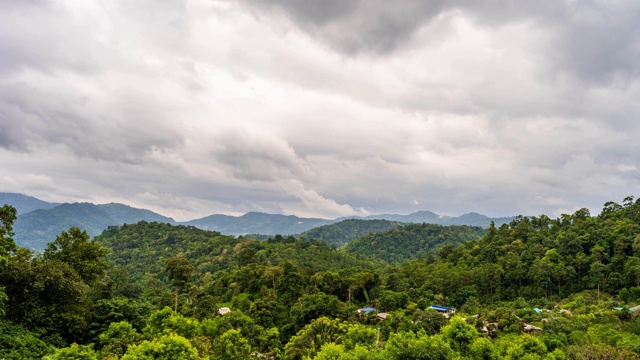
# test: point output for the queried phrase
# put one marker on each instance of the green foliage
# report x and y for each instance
(47, 297)
(573, 270)
(345, 231)
(309, 340)
(8, 215)
(107, 311)
(412, 241)
(179, 271)
(74, 352)
(459, 335)
(411, 346)
(86, 257)
(231, 346)
(168, 347)
(17, 343)
(117, 339)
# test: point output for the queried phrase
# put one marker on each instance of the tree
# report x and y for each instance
(632, 269)
(86, 257)
(309, 340)
(47, 297)
(117, 339)
(75, 352)
(232, 346)
(411, 346)
(17, 343)
(8, 215)
(597, 274)
(459, 334)
(168, 347)
(179, 270)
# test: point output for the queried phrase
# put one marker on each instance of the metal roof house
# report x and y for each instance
(367, 310)
(442, 309)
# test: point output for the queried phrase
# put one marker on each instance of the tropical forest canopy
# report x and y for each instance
(536, 288)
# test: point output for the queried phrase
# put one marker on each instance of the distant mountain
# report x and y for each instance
(24, 203)
(35, 229)
(428, 217)
(343, 232)
(257, 223)
(40, 222)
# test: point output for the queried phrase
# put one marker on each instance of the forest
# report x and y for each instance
(535, 288)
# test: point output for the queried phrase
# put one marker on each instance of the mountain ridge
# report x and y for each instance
(41, 225)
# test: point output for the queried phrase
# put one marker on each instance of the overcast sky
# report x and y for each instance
(322, 108)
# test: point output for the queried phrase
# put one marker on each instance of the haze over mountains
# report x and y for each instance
(39, 222)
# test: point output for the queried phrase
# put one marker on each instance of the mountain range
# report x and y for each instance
(39, 222)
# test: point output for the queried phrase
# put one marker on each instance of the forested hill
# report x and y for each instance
(345, 231)
(412, 241)
(539, 257)
(144, 248)
(573, 283)
(34, 229)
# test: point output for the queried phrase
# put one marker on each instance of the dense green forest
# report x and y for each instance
(412, 241)
(345, 231)
(536, 288)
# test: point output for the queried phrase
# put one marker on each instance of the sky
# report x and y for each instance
(322, 108)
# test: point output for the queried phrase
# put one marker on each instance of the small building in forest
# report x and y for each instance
(224, 310)
(367, 310)
(442, 309)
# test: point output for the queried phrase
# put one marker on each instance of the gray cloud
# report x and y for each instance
(321, 108)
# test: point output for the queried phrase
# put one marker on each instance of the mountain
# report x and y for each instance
(345, 231)
(428, 217)
(40, 222)
(24, 203)
(257, 223)
(36, 228)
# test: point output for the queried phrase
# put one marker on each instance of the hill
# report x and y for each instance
(257, 223)
(143, 248)
(24, 203)
(35, 229)
(345, 231)
(412, 241)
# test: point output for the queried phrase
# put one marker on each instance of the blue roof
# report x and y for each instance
(439, 308)
(537, 310)
(366, 310)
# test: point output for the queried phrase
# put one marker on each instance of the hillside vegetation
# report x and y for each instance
(412, 241)
(536, 288)
(345, 231)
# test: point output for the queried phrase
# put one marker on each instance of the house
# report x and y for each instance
(528, 328)
(442, 309)
(367, 310)
(382, 316)
(224, 310)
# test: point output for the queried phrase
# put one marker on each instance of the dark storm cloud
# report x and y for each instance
(354, 26)
(594, 41)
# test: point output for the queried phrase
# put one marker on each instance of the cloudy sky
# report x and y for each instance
(322, 108)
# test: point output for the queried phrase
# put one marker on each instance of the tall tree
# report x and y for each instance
(8, 215)
(86, 257)
(179, 271)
